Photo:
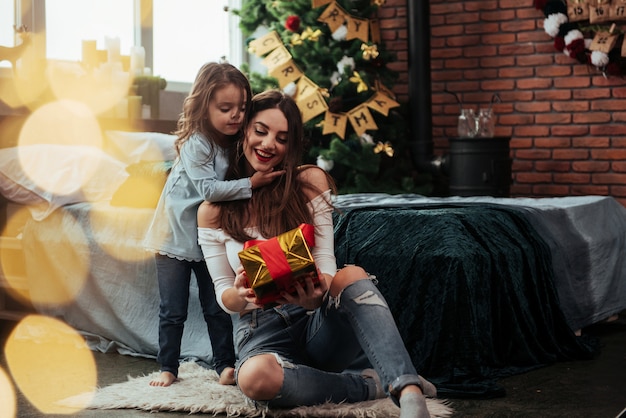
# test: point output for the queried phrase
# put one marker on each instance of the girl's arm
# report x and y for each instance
(206, 166)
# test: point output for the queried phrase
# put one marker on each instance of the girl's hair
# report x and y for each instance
(283, 204)
(211, 77)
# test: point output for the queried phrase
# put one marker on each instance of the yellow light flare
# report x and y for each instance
(8, 407)
(49, 282)
(12, 263)
(125, 219)
(101, 89)
(63, 122)
(49, 362)
(18, 91)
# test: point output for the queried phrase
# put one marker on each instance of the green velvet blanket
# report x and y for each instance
(471, 289)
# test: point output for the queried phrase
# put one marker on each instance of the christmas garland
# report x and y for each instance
(570, 38)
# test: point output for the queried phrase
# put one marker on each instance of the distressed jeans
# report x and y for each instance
(174, 278)
(318, 349)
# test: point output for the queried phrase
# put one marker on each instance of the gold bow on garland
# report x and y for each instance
(369, 51)
(360, 84)
(386, 147)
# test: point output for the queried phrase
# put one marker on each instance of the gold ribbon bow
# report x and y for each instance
(369, 51)
(311, 34)
(387, 148)
(296, 39)
(356, 78)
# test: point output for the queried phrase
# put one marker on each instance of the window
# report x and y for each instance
(189, 33)
(178, 36)
(7, 37)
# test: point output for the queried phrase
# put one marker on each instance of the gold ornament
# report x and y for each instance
(387, 148)
(378, 3)
(356, 78)
(369, 51)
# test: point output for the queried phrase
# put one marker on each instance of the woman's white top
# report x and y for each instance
(221, 250)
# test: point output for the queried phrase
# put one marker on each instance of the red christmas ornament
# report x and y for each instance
(292, 23)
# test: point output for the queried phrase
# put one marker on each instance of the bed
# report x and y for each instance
(481, 287)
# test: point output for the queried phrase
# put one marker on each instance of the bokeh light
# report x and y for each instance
(131, 220)
(12, 263)
(50, 362)
(58, 264)
(62, 122)
(8, 406)
(100, 89)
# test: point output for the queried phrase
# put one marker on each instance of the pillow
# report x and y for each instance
(134, 147)
(47, 176)
(143, 187)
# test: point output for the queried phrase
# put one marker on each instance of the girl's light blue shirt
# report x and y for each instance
(197, 175)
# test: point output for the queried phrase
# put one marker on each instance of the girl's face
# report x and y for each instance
(226, 109)
(265, 144)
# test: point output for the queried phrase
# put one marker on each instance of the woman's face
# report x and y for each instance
(226, 109)
(265, 144)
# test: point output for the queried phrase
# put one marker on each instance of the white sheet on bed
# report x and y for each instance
(117, 308)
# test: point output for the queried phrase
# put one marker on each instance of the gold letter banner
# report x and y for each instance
(361, 119)
(334, 16)
(304, 87)
(280, 55)
(335, 123)
(312, 105)
(265, 44)
(319, 3)
(357, 28)
(381, 103)
(286, 73)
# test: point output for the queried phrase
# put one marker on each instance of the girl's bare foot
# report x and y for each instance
(164, 379)
(228, 376)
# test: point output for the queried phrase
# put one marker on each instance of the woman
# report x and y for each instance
(304, 351)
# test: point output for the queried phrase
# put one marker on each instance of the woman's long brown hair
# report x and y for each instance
(283, 204)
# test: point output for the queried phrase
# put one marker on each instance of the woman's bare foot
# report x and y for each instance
(164, 379)
(228, 376)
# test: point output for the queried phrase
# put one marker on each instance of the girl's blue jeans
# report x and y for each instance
(174, 278)
(318, 349)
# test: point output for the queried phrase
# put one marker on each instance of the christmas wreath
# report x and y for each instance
(595, 45)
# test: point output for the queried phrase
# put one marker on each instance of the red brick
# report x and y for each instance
(572, 178)
(570, 154)
(592, 117)
(553, 166)
(591, 166)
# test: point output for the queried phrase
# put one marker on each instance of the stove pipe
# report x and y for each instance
(420, 105)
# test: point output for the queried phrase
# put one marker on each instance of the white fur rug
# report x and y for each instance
(198, 391)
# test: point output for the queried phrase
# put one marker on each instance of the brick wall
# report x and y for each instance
(567, 122)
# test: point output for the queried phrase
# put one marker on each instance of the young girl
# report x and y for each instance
(299, 352)
(208, 128)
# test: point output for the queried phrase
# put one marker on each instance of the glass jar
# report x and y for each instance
(486, 123)
(467, 124)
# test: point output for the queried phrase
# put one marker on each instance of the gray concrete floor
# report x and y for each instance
(592, 388)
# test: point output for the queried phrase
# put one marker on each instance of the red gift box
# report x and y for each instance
(273, 266)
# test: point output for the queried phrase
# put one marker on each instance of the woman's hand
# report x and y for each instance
(308, 296)
(245, 293)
